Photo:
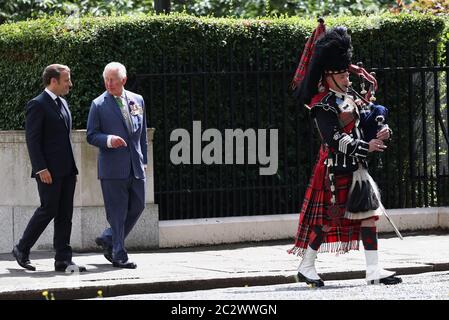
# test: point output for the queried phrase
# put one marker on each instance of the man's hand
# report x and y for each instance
(117, 142)
(45, 177)
(376, 145)
(383, 134)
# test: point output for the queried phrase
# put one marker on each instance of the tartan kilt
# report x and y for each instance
(344, 234)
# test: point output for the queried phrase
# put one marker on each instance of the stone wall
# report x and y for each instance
(19, 197)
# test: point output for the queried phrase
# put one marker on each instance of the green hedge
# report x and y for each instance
(139, 42)
(229, 73)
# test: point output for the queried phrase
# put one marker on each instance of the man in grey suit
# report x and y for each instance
(117, 126)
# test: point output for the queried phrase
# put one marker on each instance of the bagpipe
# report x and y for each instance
(307, 78)
(373, 117)
(364, 193)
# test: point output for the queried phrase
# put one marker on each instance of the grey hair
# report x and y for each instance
(115, 66)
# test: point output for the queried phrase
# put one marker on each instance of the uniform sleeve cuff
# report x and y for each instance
(361, 149)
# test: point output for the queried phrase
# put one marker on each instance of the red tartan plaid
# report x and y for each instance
(307, 55)
(315, 211)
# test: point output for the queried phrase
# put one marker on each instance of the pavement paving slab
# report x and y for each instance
(172, 270)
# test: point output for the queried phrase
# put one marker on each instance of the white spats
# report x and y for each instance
(373, 271)
(307, 265)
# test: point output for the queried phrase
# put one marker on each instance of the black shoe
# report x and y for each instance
(387, 281)
(22, 259)
(124, 264)
(313, 283)
(68, 266)
(107, 250)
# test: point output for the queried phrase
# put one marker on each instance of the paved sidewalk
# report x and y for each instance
(171, 270)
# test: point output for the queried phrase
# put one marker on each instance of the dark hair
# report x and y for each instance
(53, 71)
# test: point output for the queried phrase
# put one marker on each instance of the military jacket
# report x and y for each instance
(337, 118)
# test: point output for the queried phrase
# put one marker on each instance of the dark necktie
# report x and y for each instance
(62, 111)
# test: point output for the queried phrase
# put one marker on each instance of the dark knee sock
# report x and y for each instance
(369, 237)
(316, 237)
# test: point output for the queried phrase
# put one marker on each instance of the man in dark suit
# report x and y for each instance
(117, 126)
(48, 126)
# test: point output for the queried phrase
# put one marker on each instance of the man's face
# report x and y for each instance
(112, 82)
(63, 85)
(338, 82)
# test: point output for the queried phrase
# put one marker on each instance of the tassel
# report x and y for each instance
(336, 159)
(344, 161)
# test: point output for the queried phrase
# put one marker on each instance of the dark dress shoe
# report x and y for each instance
(107, 250)
(124, 264)
(387, 281)
(311, 282)
(22, 259)
(68, 266)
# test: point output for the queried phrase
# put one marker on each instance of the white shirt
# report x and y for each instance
(52, 95)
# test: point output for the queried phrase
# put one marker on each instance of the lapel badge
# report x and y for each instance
(135, 108)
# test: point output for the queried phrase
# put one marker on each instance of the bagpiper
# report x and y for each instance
(342, 202)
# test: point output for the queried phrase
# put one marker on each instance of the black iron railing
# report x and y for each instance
(250, 90)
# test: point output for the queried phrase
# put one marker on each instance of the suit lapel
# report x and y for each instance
(112, 103)
(134, 119)
(55, 107)
(129, 97)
